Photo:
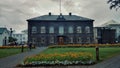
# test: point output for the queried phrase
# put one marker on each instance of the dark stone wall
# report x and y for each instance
(56, 25)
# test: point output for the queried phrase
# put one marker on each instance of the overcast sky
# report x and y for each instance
(14, 13)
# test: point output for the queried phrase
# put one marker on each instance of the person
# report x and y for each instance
(30, 46)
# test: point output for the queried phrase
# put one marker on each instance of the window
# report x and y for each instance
(42, 40)
(61, 30)
(16, 35)
(43, 29)
(51, 40)
(87, 29)
(70, 29)
(33, 40)
(51, 30)
(79, 40)
(34, 29)
(88, 40)
(79, 30)
(70, 39)
(23, 38)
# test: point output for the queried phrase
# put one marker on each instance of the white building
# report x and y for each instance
(4, 36)
(114, 25)
(21, 38)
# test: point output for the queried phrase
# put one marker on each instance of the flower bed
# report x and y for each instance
(11, 47)
(84, 45)
(67, 58)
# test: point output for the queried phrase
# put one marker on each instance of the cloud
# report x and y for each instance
(14, 13)
(95, 9)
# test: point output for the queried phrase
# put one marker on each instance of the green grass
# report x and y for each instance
(104, 53)
(9, 52)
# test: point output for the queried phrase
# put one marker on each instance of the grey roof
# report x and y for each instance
(2, 30)
(66, 17)
(111, 22)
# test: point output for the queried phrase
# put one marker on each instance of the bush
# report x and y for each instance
(11, 47)
(84, 45)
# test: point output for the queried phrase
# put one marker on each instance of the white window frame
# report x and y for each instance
(51, 29)
(70, 29)
(61, 30)
(42, 29)
(34, 29)
(79, 29)
(87, 29)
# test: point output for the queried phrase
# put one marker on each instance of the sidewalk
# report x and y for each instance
(110, 63)
(12, 61)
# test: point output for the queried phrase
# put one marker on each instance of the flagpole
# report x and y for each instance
(60, 6)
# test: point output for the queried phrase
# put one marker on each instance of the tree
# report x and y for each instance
(11, 39)
(114, 4)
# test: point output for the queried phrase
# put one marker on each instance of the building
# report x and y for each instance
(114, 25)
(60, 29)
(21, 38)
(4, 36)
(104, 35)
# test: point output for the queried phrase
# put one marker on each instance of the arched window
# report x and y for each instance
(51, 29)
(34, 29)
(79, 30)
(43, 29)
(87, 29)
(61, 30)
(70, 29)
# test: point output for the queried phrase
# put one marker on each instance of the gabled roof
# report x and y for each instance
(111, 22)
(55, 17)
(2, 30)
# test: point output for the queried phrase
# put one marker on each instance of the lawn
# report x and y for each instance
(68, 56)
(12, 51)
(104, 53)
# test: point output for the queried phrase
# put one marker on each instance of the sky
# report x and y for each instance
(14, 13)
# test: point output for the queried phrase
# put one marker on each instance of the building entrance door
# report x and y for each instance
(61, 40)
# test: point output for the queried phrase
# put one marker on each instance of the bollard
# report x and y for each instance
(22, 48)
(97, 53)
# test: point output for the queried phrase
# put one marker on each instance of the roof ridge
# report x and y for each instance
(54, 17)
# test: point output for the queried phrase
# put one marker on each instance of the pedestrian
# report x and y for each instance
(30, 46)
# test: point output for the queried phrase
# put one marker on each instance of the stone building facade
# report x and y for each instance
(60, 29)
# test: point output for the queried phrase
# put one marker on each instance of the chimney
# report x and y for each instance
(70, 14)
(60, 14)
(49, 13)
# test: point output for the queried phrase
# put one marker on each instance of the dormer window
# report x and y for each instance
(60, 17)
